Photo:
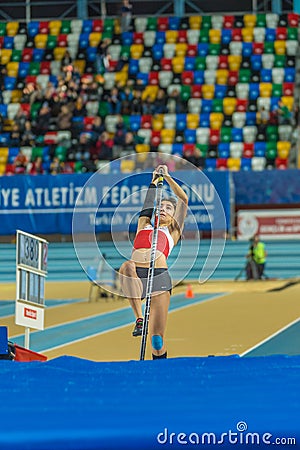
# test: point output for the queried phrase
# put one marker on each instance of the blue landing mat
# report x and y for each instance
(214, 402)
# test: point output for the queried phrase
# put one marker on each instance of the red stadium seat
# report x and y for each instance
(222, 163)
(182, 36)
(281, 34)
(97, 26)
(45, 68)
(153, 79)
(281, 164)
(146, 121)
(62, 40)
(228, 22)
(88, 123)
(241, 105)
(237, 34)
(258, 48)
(31, 79)
(196, 91)
(162, 23)
(191, 50)
(214, 137)
(27, 54)
(187, 77)
(50, 137)
(155, 138)
(288, 89)
(44, 27)
(25, 108)
(248, 151)
(188, 149)
(138, 38)
(166, 64)
(223, 62)
(233, 77)
(293, 20)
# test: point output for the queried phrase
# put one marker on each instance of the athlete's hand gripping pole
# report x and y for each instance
(152, 264)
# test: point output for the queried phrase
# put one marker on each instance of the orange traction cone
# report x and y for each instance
(189, 292)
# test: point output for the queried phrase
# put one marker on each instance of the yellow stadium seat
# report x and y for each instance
(8, 124)
(40, 40)
(195, 22)
(59, 53)
(2, 169)
(150, 91)
(167, 136)
(222, 76)
(215, 36)
(16, 96)
(127, 165)
(157, 122)
(3, 155)
(250, 20)
(192, 121)
(208, 91)
(12, 69)
(80, 65)
(280, 47)
(5, 55)
(12, 28)
(265, 89)
(178, 64)
(94, 39)
(288, 101)
(141, 157)
(234, 62)
(142, 148)
(247, 34)
(54, 27)
(216, 120)
(180, 49)
(136, 51)
(171, 36)
(229, 104)
(283, 149)
(121, 78)
(234, 164)
(117, 27)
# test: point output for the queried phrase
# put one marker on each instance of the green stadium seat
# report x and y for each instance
(244, 75)
(214, 49)
(292, 34)
(277, 90)
(51, 42)
(34, 68)
(2, 29)
(65, 27)
(152, 23)
(225, 135)
(261, 20)
(37, 152)
(217, 105)
(272, 133)
(16, 56)
(271, 151)
(34, 110)
(279, 61)
(200, 63)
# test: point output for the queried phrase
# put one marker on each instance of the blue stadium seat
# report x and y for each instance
(260, 148)
(133, 68)
(87, 26)
(3, 111)
(160, 37)
(289, 74)
(189, 63)
(135, 123)
(270, 35)
(9, 83)
(199, 77)
(253, 91)
(84, 40)
(8, 42)
(157, 52)
(246, 49)
(180, 122)
(250, 118)
(91, 53)
(12, 153)
(33, 29)
(210, 163)
(190, 136)
(226, 36)
(204, 120)
(23, 69)
(256, 62)
(127, 38)
(220, 91)
(174, 23)
(206, 106)
(266, 75)
(246, 163)
(4, 138)
(53, 80)
(38, 54)
(237, 134)
(203, 49)
(144, 77)
(224, 150)
(274, 103)
(177, 149)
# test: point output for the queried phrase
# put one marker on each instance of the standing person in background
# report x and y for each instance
(126, 13)
(259, 255)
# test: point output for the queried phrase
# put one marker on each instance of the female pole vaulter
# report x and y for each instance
(134, 273)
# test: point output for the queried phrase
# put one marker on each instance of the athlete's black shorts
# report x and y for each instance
(161, 280)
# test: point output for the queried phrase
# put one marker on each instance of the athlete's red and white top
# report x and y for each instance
(165, 242)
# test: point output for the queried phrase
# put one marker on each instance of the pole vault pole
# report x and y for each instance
(151, 267)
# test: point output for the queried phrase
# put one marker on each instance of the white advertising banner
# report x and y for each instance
(271, 224)
(29, 315)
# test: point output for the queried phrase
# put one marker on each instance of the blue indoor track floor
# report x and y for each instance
(212, 402)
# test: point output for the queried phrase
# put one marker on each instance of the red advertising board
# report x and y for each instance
(271, 224)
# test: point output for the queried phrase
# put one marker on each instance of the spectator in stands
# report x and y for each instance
(43, 119)
(20, 119)
(81, 150)
(20, 163)
(28, 92)
(120, 133)
(175, 103)
(195, 157)
(14, 140)
(28, 137)
(126, 100)
(262, 118)
(104, 147)
(160, 103)
(66, 60)
(126, 14)
(148, 106)
(98, 128)
(2, 123)
(136, 104)
(284, 114)
(64, 118)
(102, 56)
(114, 102)
(56, 166)
(36, 168)
(80, 109)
